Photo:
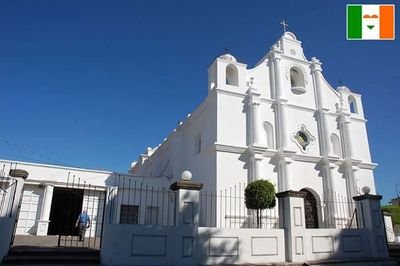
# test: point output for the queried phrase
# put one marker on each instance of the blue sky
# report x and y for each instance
(93, 83)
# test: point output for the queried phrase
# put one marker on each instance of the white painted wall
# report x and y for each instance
(138, 245)
(156, 245)
(332, 244)
(239, 246)
(30, 210)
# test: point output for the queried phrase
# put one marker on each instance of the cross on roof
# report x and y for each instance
(284, 24)
(226, 50)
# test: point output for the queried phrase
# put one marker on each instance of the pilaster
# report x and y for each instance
(43, 222)
(328, 184)
(344, 121)
(256, 148)
(254, 112)
(282, 135)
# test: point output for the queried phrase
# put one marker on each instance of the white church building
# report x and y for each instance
(281, 121)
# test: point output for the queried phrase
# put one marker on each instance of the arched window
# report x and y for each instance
(232, 75)
(336, 145)
(269, 132)
(352, 105)
(296, 78)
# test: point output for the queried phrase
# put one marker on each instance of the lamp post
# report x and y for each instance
(398, 196)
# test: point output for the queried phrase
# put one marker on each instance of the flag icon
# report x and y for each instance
(370, 22)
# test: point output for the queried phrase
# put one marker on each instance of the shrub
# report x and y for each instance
(260, 195)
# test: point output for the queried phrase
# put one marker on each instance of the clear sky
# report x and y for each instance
(93, 83)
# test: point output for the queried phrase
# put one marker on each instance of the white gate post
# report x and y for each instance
(8, 224)
(370, 215)
(292, 220)
(186, 219)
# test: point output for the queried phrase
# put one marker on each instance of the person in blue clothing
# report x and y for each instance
(83, 222)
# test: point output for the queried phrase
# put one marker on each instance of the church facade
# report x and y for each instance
(280, 121)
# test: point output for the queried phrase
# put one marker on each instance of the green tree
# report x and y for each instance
(394, 211)
(260, 195)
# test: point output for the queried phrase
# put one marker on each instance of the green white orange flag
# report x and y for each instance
(370, 22)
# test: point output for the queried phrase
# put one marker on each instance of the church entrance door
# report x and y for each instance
(310, 209)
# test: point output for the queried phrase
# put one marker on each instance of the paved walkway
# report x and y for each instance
(52, 241)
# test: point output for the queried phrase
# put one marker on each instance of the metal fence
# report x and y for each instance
(227, 209)
(133, 202)
(338, 211)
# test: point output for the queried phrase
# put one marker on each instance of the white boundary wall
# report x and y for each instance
(187, 244)
(167, 245)
(332, 244)
(238, 245)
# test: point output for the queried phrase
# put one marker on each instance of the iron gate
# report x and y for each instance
(69, 202)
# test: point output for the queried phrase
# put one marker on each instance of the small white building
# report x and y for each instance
(279, 120)
(53, 196)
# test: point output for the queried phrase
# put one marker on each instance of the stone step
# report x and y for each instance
(13, 260)
(55, 256)
(53, 251)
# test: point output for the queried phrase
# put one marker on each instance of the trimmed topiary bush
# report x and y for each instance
(260, 195)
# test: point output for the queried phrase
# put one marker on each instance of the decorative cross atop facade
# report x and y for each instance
(284, 24)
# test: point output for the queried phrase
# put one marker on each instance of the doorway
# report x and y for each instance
(65, 208)
(310, 210)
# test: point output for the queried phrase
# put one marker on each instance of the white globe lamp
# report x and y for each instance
(366, 190)
(186, 175)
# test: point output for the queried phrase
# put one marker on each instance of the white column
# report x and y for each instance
(344, 121)
(280, 103)
(316, 72)
(350, 181)
(329, 190)
(284, 174)
(253, 102)
(347, 166)
(257, 167)
(282, 122)
(254, 112)
(321, 117)
(325, 146)
(277, 71)
(256, 123)
(43, 223)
